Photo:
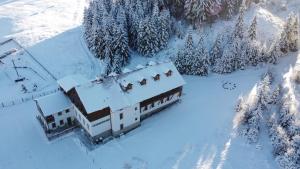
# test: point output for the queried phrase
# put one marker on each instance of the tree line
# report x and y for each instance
(237, 49)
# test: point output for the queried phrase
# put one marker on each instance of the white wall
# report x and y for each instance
(131, 115)
(93, 128)
(63, 117)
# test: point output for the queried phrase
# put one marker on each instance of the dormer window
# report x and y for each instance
(128, 87)
(156, 77)
(168, 73)
(143, 81)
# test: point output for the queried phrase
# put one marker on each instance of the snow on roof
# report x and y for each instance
(97, 96)
(110, 93)
(53, 103)
(113, 74)
(152, 63)
(140, 66)
(68, 82)
(152, 88)
(126, 70)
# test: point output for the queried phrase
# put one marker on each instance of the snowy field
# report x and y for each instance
(196, 133)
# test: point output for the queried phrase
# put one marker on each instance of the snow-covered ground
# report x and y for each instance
(197, 133)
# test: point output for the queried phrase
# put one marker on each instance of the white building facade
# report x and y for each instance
(116, 104)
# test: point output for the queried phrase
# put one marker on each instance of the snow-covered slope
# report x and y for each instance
(197, 133)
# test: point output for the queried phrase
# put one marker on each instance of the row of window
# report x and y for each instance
(60, 113)
(61, 122)
(144, 81)
(152, 105)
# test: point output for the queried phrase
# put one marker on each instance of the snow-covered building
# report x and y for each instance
(116, 104)
(56, 112)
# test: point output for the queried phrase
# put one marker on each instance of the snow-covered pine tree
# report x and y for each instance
(216, 51)
(264, 92)
(203, 7)
(253, 124)
(120, 46)
(286, 117)
(254, 52)
(263, 53)
(274, 53)
(201, 64)
(278, 138)
(294, 35)
(230, 5)
(185, 57)
(147, 40)
(226, 64)
(239, 59)
(121, 17)
(133, 26)
(164, 28)
(283, 41)
(252, 29)
(239, 26)
(87, 25)
(275, 95)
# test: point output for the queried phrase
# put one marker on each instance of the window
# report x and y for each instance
(162, 101)
(121, 116)
(136, 108)
(145, 108)
(135, 119)
(152, 105)
(143, 82)
(49, 119)
(169, 73)
(53, 125)
(156, 77)
(121, 126)
(61, 122)
(168, 98)
(59, 113)
(68, 110)
(128, 87)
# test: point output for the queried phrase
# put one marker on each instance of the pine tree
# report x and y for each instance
(294, 35)
(283, 41)
(274, 53)
(226, 64)
(230, 4)
(87, 25)
(120, 46)
(201, 63)
(164, 29)
(147, 38)
(239, 26)
(216, 52)
(186, 57)
(252, 29)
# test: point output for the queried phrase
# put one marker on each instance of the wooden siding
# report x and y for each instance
(76, 100)
(161, 96)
